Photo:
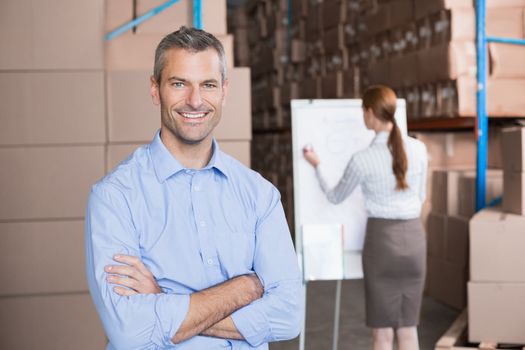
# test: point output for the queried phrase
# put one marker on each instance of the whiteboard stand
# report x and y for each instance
(322, 259)
(335, 338)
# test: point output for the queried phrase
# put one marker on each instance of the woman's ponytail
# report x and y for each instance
(399, 157)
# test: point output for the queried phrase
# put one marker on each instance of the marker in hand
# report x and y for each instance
(310, 155)
(308, 148)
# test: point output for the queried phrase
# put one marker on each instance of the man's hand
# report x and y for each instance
(133, 275)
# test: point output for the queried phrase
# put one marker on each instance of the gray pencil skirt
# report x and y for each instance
(394, 265)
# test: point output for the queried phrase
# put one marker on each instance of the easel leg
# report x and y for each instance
(303, 331)
(336, 314)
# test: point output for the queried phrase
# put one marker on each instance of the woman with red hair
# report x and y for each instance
(392, 175)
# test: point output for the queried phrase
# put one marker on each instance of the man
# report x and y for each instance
(204, 256)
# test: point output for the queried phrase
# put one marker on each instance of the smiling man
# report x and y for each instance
(186, 248)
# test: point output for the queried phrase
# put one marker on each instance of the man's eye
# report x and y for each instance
(177, 84)
(209, 86)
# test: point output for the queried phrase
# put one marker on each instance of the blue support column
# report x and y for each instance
(481, 120)
(197, 14)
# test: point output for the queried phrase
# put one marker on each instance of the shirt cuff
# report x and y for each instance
(252, 323)
(170, 311)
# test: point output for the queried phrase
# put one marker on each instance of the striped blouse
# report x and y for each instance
(372, 169)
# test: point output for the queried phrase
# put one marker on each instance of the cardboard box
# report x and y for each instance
(333, 39)
(505, 22)
(117, 13)
(400, 12)
(48, 182)
(379, 72)
(138, 120)
(445, 187)
(310, 88)
(514, 192)
(65, 34)
(447, 282)
(457, 24)
(507, 61)
(289, 92)
(403, 70)
(42, 257)
(436, 235)
(502, 101)
(351, 82)
(496, 242)
(56, 322)
(137, 52)
(496, 312)
(467, 191)
(377, 20)
(457, 241)
(427, 7)
(240, 150)
(181, 14)
(449, 149)
(495, 148)
(513, 149)
(332, 85)
(52, 107)
(334, 13)
(446, 61)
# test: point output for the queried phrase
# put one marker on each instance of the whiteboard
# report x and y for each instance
(336, 130)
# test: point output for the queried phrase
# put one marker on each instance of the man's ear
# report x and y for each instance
(154, 91)
(225, 86)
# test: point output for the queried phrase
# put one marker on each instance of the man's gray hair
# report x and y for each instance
(190, 39)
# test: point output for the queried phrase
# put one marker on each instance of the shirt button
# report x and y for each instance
(196, 188)
(203, 223)
(210, 261)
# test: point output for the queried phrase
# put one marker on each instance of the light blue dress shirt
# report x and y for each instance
(193, 229)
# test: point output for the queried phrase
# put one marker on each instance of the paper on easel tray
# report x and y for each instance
(323, 252)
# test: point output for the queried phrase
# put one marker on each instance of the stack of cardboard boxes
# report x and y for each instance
(132, 117)
(51, 150)
(276, 66)
(424, 49)
(72, 108)
(453, 204)
(497, 281)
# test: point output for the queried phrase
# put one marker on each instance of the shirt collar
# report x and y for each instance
(166, 165)
(381, 137)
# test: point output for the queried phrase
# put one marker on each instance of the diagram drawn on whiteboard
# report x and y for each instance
(336, 130)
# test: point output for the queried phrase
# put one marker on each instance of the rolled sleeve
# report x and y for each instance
(253, 324)
(141, 321)
(278, 314)
(170, 311)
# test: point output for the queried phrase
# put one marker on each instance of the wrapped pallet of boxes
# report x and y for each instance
(497, 280)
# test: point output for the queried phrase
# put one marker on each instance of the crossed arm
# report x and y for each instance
(210, 309)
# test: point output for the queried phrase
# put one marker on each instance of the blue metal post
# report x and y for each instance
(197, 14)
(481, 120)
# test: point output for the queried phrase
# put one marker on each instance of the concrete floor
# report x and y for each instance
(435, 319)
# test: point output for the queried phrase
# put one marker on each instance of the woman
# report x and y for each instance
(392, 175)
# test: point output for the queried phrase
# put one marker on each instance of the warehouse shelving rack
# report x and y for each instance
(197, 18)
(482, 119)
